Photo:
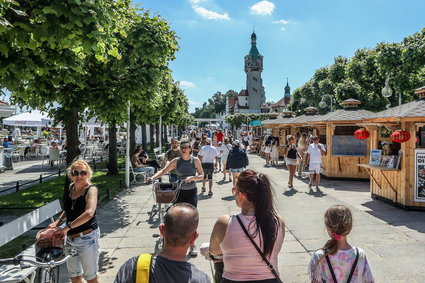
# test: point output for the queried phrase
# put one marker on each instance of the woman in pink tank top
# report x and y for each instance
(242, 261)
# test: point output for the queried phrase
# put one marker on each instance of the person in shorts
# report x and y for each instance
(290, 152)
(208, 155)
(237, 160)
(172, 153)
(81, 229)
(314, 160)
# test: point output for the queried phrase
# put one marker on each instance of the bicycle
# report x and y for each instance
(31, 269)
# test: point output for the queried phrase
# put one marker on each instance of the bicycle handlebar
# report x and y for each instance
(20, 260)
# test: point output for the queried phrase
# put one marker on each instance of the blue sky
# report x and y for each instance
(295, 38)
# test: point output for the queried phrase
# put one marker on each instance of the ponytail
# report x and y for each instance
(258, 190)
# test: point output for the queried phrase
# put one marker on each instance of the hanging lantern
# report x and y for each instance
(361, 134)
(400, 136)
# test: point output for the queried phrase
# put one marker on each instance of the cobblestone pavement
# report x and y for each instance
(394, 239)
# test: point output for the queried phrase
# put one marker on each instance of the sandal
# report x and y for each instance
(210, 193)
(203, 190)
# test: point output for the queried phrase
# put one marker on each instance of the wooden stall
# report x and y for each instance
(398, 174)
(279, 128)
(344, 151)
(300, 124)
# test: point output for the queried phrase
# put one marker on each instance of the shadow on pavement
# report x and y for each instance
(397, 216)
(229, 198)
(106, 262)
(203, 196)
(317, 194)
(290, 193)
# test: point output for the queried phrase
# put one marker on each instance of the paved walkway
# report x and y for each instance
(394, 239)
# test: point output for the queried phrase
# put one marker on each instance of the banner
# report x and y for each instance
(255, 123)
(420, 175)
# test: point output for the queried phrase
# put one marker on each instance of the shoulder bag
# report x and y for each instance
(353, 268)
(269, 265)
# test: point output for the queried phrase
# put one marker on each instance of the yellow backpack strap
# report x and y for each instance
(143, 268)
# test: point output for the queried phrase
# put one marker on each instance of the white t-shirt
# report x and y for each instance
(208, 153)
(315, 153)
(224, 149)
(342, 262)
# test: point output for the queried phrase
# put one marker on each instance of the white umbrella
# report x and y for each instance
(35, 118)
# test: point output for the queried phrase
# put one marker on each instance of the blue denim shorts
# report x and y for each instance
(236, 170)
(86, 262)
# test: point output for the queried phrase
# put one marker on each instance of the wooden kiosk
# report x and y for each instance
(401, 181)
(300, 124)
(344, 151)
(280, 128)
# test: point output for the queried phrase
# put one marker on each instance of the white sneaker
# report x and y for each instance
(192, 251)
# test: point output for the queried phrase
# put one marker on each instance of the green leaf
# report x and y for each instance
(49, 10)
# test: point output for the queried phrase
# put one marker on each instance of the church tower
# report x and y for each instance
(254, 83)
(287, 96)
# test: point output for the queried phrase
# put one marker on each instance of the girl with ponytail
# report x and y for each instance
(337, 261)
(234, 236)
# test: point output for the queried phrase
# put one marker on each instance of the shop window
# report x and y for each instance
(386, 143)
(344, 143)
(420, 143)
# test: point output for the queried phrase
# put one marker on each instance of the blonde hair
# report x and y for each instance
(302, 142)
(77, 163)
(290, 137)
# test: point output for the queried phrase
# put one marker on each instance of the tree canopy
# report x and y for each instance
(363, 76)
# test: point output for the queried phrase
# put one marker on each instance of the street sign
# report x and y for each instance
(255, 123)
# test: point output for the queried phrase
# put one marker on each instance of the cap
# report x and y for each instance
(208, 140)
(236, 142)
(219, 142)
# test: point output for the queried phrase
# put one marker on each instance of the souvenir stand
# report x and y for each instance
(279, 128)
(344, 151)
(398, 153)
(300, 125)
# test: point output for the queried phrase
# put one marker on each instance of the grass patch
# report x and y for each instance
(16, 246)
(52, 189)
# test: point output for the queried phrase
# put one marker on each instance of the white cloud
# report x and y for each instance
(194, 2)
(262, 8)
(210, 15)
(283, 22)
(191, 102)
(186, 84)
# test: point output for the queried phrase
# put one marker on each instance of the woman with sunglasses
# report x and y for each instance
(242, 261)
(81, 229)
(186, 168)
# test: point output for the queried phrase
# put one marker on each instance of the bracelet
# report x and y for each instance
(68, 225)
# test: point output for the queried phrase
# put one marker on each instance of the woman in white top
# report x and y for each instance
(242, 261)
(274, 155)
(224, 149)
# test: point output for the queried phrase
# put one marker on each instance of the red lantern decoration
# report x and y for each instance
(361, 134)
(400, 136)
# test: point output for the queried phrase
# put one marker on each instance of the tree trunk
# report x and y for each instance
(151, 136)
(72, 141)
(164, 134)
(132, 133)
(112, 162)
(157, 136)
(144, 136)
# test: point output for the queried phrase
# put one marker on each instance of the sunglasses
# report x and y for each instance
(76, 173)
(184, 147)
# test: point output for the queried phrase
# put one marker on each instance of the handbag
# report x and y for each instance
(269, 265)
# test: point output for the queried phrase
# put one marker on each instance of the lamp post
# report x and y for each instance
(322, 103)
(388, 92)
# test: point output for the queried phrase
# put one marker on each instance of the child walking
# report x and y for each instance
(337, 261)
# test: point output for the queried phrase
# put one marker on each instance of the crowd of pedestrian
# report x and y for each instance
(243, 247)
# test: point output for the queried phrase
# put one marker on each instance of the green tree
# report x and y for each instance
(44, 54)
